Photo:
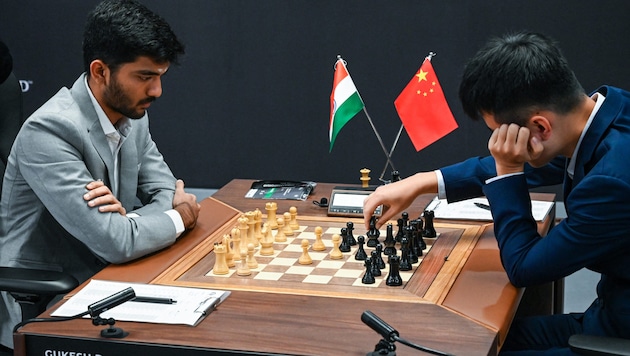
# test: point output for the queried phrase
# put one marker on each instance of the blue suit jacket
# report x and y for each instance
(596, 232)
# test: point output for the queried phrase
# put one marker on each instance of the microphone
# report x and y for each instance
(103, 305)
(387, 332)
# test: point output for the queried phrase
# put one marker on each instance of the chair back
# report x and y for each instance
(11, 118)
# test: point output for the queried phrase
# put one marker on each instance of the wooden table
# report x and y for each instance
(470, 317)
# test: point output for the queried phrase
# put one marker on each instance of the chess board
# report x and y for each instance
(428, 281)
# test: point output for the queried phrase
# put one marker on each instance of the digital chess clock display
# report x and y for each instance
(349, 203)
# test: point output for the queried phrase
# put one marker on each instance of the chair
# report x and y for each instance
(32, 289)
(599, 345)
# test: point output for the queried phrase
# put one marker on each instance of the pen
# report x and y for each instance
(154, 300)
(482, 206)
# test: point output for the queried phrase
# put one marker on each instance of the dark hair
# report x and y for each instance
(119, 31)
(516, 75)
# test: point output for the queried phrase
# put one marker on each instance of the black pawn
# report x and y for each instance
(393, 278)
(349, 228)
(390, 242)
(429, 229)
(401, 227)
(368, 277)
(344, 246)
(376, 271)
(405, 263)
(395, 176)
(361, 255)
(379, 256)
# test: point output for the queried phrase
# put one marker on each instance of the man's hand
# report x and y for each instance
(186, 205)
(395, 197)
(100, 196)
(511, 146)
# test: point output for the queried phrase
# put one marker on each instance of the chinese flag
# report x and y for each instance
(423, 109)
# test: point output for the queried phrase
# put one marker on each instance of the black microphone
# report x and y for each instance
(387, 332)
(113, 300)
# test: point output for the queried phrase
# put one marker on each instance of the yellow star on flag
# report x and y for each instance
(422, 75)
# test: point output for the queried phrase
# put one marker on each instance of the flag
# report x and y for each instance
(423, 109)
(345, 101)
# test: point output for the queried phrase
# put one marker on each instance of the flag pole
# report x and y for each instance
(380, 140)
(391, 152)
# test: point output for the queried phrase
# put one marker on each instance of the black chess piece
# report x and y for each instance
(393, 278)
(399, 233)
(417, 237)
(379, 256)
(361, 255)
(429, 229)
(411, 233)
(405, 263)
(368, 277)
(349, 228)
(344, 246)
(395, 176)
(376, 270)
(373, 233)
(390, 242)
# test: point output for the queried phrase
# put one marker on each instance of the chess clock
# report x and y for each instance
(348, 202)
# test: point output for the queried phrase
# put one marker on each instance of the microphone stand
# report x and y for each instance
(390, 335)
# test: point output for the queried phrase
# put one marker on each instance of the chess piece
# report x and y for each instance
(373, 233)
(368, 277)
(242, 228)
(305, 259)
(405, 263)
(251, 260)
(429, 229)
(243, 269)
(399, 233)
(345, 246)
(395, 176)
(318, 245)
(393, 278)
(365, 177)
(271, 209)
(258, 225)
(295, 225)
(379, 257)
(229, 253)
(412, 235)
(390, 242)
(288, 231)
(251, 227)
(376, 270)
(280, 236)
(336, 254)
(235, 235)
(361, 255)
(266, 242)
(350, 236)
(220, 264)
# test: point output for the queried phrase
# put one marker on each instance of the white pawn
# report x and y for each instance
(280, 236)
(251, 260)
(318, 245)
(336, 253)
(243, 269)
(305, 259)
(288, 231)
(294, 223)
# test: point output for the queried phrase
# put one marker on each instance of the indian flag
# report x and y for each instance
(345, 101)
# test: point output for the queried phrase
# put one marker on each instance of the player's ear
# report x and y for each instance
(540, 126)
(98, 70)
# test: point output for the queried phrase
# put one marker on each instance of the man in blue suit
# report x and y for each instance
(82, 161)
(546, 130)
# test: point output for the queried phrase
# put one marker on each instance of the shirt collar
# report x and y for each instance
(599, 100)
(108, 128)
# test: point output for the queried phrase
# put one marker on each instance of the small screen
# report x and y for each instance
(348, 199)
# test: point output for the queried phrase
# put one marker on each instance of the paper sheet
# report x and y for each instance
(191, 304)
(467, 210)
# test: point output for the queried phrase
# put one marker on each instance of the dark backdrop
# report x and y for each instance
(251, 98)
